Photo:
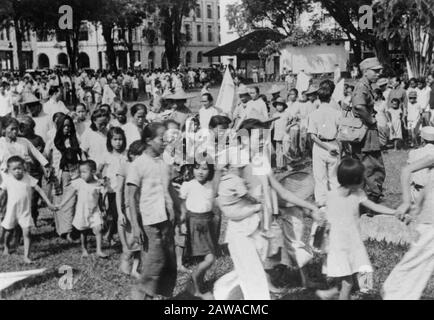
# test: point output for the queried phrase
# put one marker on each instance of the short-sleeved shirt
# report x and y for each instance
(199, 198)
(205, 115)
(363, 94)
(87, 210)
(113, 161)
(151, 175)
(324, 122)
(280, 125)
(231, 189)
(19, 193)
(94, 144)
(256, 109)
(132, 133)
(414, 110)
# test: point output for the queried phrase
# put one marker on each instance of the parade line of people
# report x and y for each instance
(121, 173)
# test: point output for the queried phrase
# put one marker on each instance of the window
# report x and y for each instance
(84, 34)
(8, 34)
(199, 57)
(2, 34)
(220, 40)
(210, 33)
(198, 13)
(42, 35)
(187, 32)
(60, 36)
(208, 11)
(210, 60)
(218, 12)
(199, 33)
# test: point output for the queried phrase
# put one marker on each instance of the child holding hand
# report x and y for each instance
(17, 185)
(347, 255)
(88, 214)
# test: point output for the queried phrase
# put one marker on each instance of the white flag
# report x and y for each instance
(338, 94)
(9, 278)
(225, 99)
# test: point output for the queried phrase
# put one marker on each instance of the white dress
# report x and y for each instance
(347, 254)
(19, 195)
(87, 211)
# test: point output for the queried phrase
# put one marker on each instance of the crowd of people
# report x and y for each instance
(122, 172)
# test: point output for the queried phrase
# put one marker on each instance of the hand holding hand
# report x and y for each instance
(402, 210)
(334, 151)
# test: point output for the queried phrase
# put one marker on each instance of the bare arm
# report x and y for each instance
(44, 197)
(321, 144)
(68, 197)
(120, 201)
(424, 163)
(380, 209)
(289, 196)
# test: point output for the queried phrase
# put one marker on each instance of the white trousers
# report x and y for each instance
(324, 167)
(410, 276)
(247, 254)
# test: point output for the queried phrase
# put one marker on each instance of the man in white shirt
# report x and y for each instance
(5, 100)
(256, 108)
(207, 111)
(54, 104)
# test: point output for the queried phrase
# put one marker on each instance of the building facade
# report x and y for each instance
(8, 50)
(201, 29)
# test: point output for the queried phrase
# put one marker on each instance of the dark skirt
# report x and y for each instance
(201, 234)
(111, 219)
(159, 264)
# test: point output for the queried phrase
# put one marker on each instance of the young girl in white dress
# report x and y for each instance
(88, 213)
(347, 255)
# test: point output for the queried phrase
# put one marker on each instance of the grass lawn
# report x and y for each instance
(100, 279)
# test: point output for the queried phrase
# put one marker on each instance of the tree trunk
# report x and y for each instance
(171, 34)
(382, 52)
(130, 47)
(110, 47)
(19, 43)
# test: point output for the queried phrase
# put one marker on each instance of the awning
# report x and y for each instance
(250, 44)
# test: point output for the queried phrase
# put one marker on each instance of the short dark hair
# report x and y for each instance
(15, 159)
(98, 113)
(53, 90)
(219, 120)
(208, 96)
(422, 80)
(138, 106)
(136, 149)
(110, 135)
(8, 120)
(350, 172)
(324, 94)
(90, 163)
(294, 91)
(396, 100)
(210, 166)
(80, 104)
(150, 131)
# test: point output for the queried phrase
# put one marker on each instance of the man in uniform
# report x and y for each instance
(369, 150)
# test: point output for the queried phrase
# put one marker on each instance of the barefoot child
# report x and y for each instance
(112, 160)
(17, 185)
(88, 214)
(414, 114)
(196, 209)
(129, 247)
(347, 254)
